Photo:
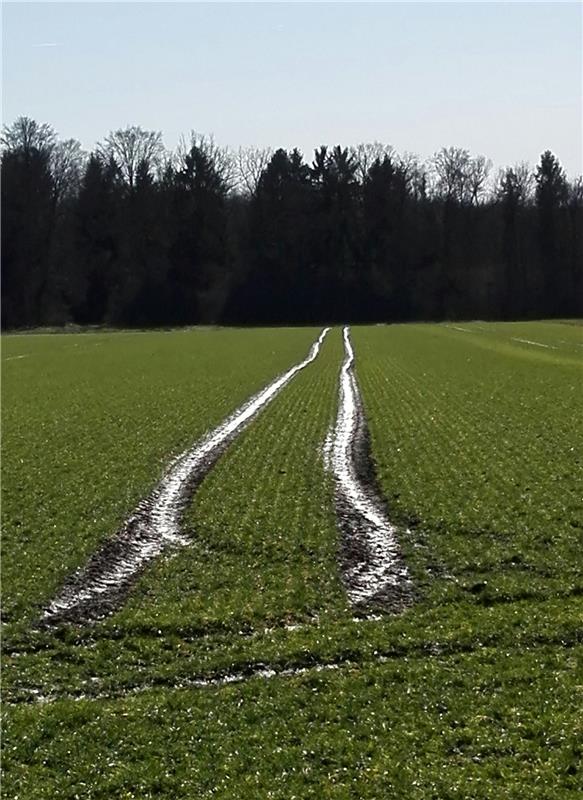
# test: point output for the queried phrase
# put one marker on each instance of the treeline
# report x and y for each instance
(134, 235)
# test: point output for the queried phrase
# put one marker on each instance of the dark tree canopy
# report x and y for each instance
(134, 235)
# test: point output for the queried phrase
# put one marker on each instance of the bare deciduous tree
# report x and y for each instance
(477, 172)
(366, 153)
(25, 135)
(525, 180)
(65, 159)
(250, 165)
(450, 165)
(67, 163)
(415, 174)
(133, 148)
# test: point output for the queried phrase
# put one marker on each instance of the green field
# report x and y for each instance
(476, 691)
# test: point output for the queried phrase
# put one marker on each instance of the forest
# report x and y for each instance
(133, 235)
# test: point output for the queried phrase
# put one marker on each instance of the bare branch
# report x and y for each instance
(131, 148)
(251, 162)
(25, 135)
(221, 158)
(366, 153)
(450, 166)
(67, 161)
(477, 172)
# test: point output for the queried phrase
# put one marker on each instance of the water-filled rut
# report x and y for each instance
(372, 566)
(103, 584)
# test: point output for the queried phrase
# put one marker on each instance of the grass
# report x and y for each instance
(478, 445)
(89, 424)
(252, 563)
(479, 690)
(453, 727)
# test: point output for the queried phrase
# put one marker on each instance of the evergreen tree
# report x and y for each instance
(198, 258)
(28, 216)
(277, 286)
(136, 236)
(551, 198)
(96, 243)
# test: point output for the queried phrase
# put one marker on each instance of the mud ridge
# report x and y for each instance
(103, 584)
(372, 566)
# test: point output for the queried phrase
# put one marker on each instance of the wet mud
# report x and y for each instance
(373, 570)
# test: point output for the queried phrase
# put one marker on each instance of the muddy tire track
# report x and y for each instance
(95, 689)
(373, 571)
(103, 584)
(226, 677)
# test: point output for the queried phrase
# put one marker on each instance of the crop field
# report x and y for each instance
(377, 586)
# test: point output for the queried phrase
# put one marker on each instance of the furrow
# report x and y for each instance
(102, 585)
(372, 565)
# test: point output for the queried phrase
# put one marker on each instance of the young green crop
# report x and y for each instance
(478, 443)
(479, 725)
(475, 691)
(263, 552)
(91, 421)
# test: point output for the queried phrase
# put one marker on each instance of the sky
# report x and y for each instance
(500, 79)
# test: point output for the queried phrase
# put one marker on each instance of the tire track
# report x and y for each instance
(32, 695)
(372, 566)
(103, 584)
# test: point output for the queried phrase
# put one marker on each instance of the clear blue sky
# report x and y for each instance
(503, 79)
